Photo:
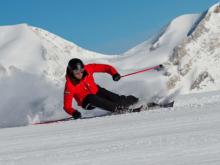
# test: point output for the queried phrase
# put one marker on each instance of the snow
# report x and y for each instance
(193, 65)
(158, 49)
(180, 135)
(33, 65)
(32, 76)
(32, 73)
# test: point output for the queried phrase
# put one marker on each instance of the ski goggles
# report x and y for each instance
(78, 71)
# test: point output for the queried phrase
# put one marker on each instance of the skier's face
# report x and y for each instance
(78, 74)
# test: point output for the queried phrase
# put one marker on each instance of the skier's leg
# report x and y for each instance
(102, 92)
(97, 101)
(119, 99)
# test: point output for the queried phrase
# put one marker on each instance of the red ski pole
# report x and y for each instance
(158, 67)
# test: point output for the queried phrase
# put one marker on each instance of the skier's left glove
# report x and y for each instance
(76, 115)
(116, 77)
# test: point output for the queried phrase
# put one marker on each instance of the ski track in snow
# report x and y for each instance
(179, 135)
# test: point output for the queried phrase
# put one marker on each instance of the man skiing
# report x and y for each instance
(81, 86)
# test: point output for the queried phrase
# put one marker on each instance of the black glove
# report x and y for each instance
(116, 77)
(76, 115)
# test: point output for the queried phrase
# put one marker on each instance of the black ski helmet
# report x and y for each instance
(75, 64)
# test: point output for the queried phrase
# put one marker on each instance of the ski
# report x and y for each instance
(53, 121)
(165, 105)
(146, 107)
(150, 106)
(67, 119)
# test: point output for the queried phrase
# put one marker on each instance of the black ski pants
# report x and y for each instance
(108, 100)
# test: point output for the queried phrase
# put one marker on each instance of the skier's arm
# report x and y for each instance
(68, 97)
(103, 68)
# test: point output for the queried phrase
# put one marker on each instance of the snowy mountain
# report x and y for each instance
(194, 63)
(33, 64)
(32, 72)
(32, 75)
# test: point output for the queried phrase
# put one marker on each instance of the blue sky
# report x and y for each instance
(106, 26)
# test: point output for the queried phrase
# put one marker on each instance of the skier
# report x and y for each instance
(81, 86)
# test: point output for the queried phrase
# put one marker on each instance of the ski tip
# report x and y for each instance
(53, 121)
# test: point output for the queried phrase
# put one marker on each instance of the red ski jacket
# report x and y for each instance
(85, 86)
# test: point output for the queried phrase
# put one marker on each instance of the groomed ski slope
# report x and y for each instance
(188, 134)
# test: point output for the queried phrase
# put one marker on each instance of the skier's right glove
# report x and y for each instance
(116, 77)
(76, 115)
